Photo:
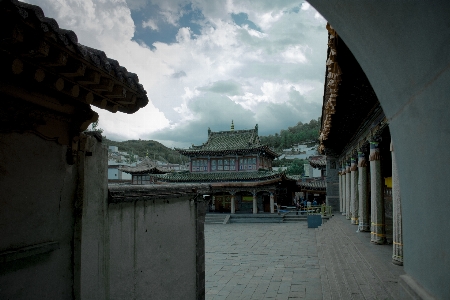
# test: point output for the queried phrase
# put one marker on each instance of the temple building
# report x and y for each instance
(239, 170)
(230, 151)
(362, 180)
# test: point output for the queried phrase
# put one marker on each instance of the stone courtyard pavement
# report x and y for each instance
(291, 261)
(262, 261)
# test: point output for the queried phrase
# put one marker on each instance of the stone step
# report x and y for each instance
(216, 218)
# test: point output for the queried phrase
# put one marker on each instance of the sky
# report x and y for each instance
(204, 63)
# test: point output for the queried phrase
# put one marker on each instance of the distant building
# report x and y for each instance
(142, 172)
(239, 169)
(230, 151)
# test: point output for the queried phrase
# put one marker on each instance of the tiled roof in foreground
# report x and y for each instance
(233, 141)
(220, 177)
(37, 50)
(128, 193)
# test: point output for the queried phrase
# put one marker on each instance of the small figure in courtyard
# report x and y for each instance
(314, 202)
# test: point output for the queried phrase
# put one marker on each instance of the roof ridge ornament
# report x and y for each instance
(232, 125)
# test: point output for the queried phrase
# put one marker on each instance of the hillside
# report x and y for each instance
(307, 133)
(153, 148)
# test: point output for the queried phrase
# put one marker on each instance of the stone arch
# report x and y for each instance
(403, 50)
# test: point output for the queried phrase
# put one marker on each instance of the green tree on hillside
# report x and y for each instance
(300, 133)
(296, 167)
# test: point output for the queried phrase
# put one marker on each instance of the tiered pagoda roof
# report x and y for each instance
(145, 167)
(230, 142)
(261, 175)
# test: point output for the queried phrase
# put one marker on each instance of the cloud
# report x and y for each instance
(150, 24)
(266, 67)
(226, 87)
(211, 110)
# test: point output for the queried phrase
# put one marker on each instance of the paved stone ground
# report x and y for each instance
(290, 261)
(262, 261)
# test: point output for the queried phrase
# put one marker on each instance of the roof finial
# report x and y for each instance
(232, 125)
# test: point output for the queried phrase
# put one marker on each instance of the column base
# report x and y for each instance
(363, 228)
(379, 242)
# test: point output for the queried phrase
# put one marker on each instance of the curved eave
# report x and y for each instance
(216, 177)
(34, 44)
(143, 172)
(199, 152)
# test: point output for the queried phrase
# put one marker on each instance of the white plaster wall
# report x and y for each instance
(152, 250)
(113, 174)
(125, 176)
(316, 172)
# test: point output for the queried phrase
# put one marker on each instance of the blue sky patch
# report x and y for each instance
(241, 19)
(166, 32)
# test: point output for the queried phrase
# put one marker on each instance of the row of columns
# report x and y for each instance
(354, 198)
(255, 203)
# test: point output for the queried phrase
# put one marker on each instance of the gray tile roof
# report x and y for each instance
(128, 193)
(147, 166)
(230, 142)
(32, 40)
(220, 176)
(318, 162)
(318, 185)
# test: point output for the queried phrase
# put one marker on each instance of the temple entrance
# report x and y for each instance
(266, 203)
(222, 203)
(246, 205)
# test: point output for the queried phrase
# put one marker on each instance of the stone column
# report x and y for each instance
(377, 234)
(344, 186)
(397, 248)
(363, 194)
(271, 203)
(233, 204)
(348, 212)
(340, 191)
(354, 192)
(255, 204)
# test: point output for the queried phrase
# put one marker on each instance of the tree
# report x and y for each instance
(94, 127)
(296, 167)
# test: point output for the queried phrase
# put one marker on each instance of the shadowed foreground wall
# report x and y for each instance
(156, 245)
(36, 218)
